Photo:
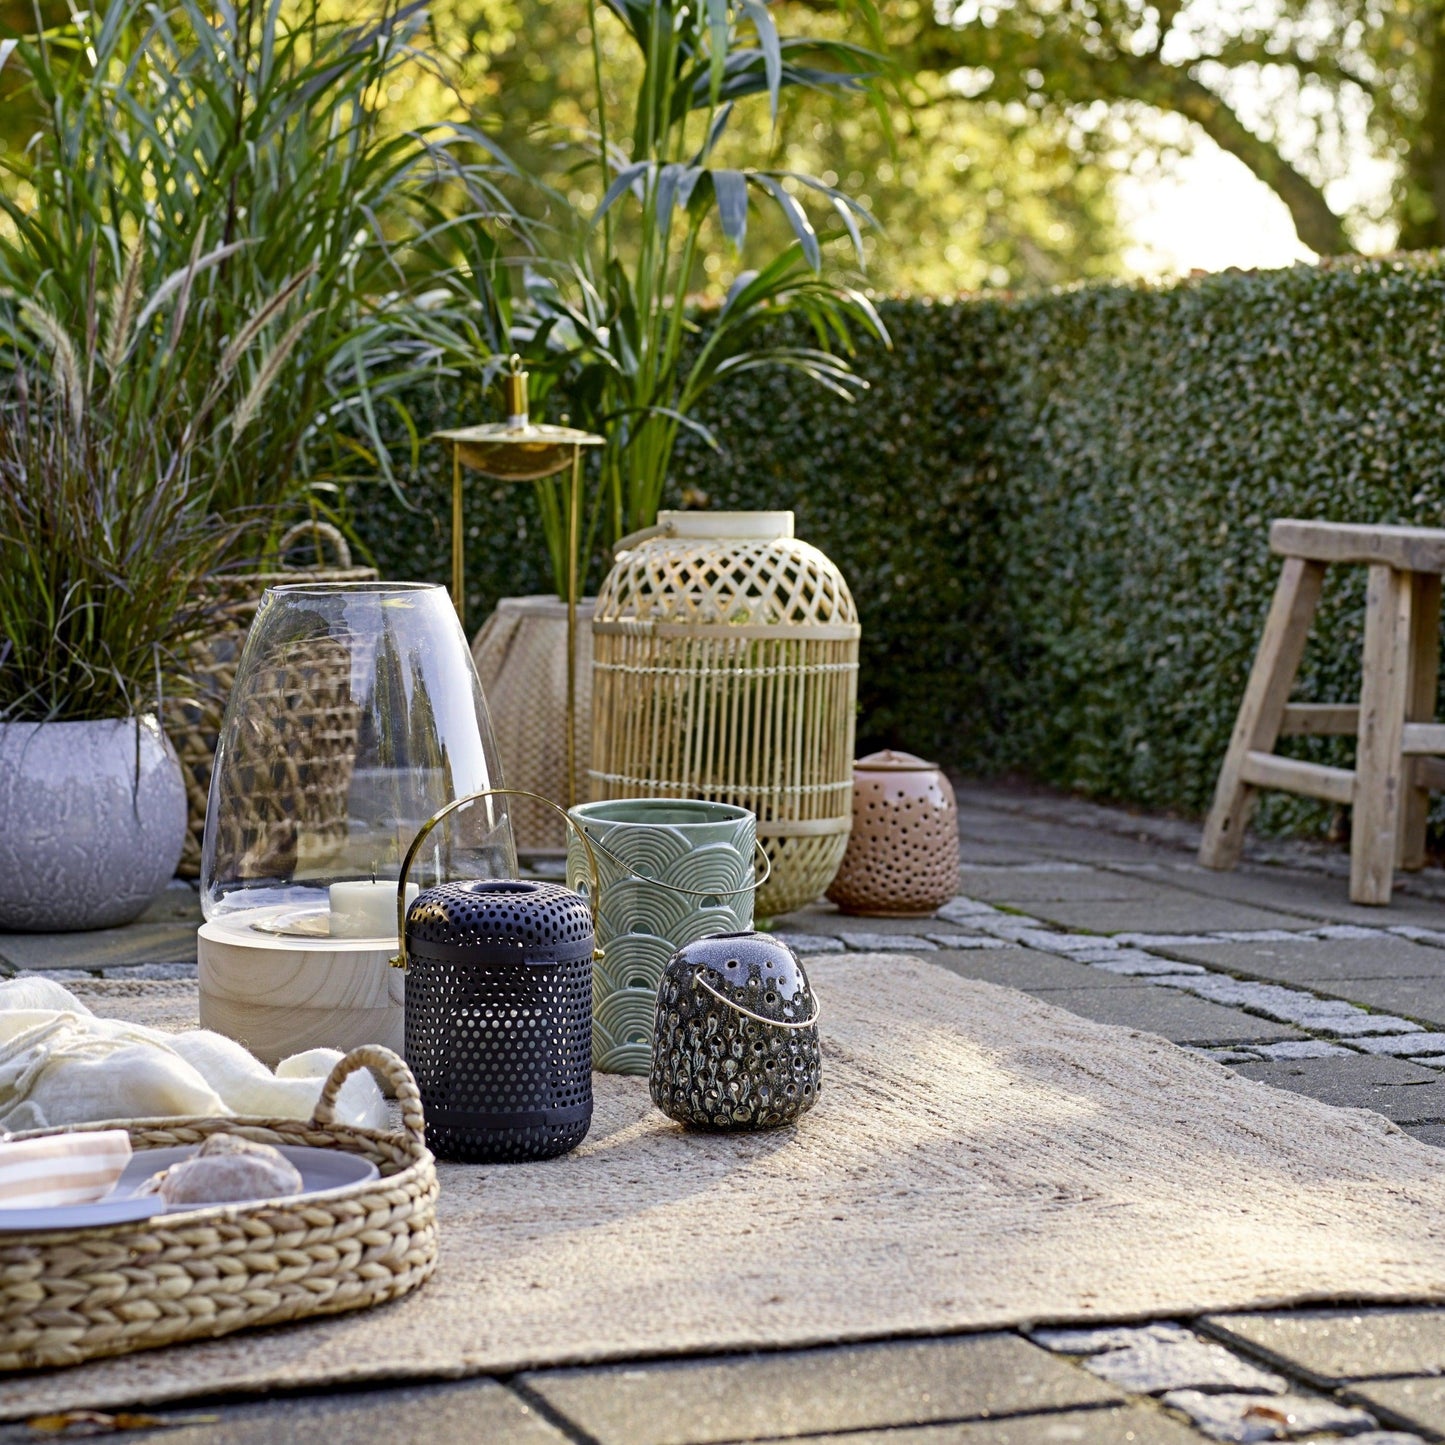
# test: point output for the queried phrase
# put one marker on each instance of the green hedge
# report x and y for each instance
(1053, 511)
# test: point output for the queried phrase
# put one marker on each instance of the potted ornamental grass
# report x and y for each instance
(107, 528)
(319, 152)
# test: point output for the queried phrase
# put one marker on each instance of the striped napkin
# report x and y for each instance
(61, 1168)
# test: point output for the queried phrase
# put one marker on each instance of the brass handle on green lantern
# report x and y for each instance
(667, 887)
(424, 832)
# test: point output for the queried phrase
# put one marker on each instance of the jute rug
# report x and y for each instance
(977, 1159)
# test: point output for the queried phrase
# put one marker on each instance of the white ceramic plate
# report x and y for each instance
(110, 1210)
(322, 1172)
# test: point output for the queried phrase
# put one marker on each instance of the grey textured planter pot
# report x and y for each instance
(86, 839)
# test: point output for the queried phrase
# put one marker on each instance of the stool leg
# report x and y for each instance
(1421, 692)
(1256, 728)
(1379, 765)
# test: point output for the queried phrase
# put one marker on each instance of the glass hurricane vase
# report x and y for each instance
(355, 715)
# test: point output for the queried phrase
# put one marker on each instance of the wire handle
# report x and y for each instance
(662, 883)
(700, 982)
(455, 806)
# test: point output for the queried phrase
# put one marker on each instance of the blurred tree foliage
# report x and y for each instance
(966, 194)
(1301, 91)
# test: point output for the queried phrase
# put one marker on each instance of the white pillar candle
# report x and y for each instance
(366, 909)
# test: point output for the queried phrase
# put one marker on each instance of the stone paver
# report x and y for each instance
(966, 940)
(825, 919)
(1289, 1005)
(1292, 1005)
(1094, 1340)
(1136, 963)
(1026, 969)
(1149, 1364)
(1411, 1404)
(871, 942)
(1312, 895)
(163, 936)
(1302, 1049)
(1177, 1016)
(1131, 1425)
(1416, 998)
(104, 950)
(1268, 1417)
(1402, 1091)
(805, 943)
(474, 1410)
(815, 1392)
(964, 910)
(1316, 959)
(1331, 1346)
(1403, 1045)
(1175, 912)
(1077, 883)
(977, 850)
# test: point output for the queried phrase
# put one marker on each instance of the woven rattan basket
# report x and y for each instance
(725, 667)
(79, 1294)
(194, 723)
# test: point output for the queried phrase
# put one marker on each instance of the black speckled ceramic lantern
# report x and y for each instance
(735, 1044)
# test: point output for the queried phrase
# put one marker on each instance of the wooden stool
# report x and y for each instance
(1395, 763)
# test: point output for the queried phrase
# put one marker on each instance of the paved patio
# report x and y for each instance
(1269, 970)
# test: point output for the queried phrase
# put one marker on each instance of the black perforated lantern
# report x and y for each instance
(499, 1018)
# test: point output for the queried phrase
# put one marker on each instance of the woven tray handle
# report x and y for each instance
(319, 532)
(393, 1069)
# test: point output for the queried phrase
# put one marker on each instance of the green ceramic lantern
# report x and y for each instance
(672, 871)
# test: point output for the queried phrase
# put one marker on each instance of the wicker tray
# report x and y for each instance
(79, 1294)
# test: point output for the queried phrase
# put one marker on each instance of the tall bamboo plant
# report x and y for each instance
(609, 314)
(261, 128)
(649, 356)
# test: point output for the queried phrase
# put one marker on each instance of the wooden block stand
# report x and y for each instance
(1397, 762)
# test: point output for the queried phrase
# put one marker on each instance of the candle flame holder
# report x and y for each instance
(520, 450)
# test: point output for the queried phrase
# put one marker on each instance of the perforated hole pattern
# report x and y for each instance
(499, 1019)
(550, 922)
(902, 854)
(715, 1068)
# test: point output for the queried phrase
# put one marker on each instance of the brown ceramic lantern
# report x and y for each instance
(902, 858)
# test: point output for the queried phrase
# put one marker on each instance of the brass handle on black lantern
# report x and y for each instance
(424, 832)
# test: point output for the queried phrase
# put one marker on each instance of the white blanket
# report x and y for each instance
(60, 1064)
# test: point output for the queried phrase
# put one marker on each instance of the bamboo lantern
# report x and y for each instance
(725, 667)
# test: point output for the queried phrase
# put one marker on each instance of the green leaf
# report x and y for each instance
(731, 190)
(767, 33)
(797, 217)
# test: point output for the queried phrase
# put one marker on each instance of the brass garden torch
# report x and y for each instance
(518, 450)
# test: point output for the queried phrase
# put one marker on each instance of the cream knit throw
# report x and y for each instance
(60, 1064)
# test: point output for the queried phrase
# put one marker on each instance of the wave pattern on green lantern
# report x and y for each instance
(686, 890)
